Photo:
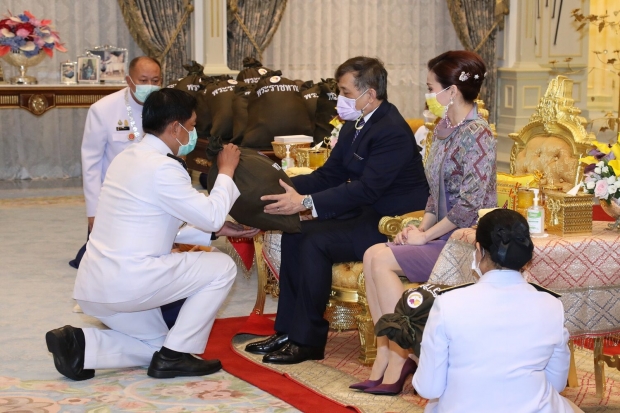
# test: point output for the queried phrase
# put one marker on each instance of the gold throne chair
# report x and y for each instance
(553, 140)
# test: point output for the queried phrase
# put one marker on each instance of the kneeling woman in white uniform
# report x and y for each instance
(499, 345)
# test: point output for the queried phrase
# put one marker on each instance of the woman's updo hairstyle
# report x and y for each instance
(466, 70)
(505, 234)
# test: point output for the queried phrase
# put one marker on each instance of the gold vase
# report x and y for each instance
(613, 210)
(19, 60)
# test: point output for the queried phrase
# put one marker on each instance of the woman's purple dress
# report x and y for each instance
(462, 178)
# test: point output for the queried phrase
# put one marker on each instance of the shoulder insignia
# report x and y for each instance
(455, 287)
(545, 290)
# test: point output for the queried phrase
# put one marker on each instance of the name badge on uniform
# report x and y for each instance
(121, 128)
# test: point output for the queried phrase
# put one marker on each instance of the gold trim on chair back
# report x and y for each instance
(555, 116)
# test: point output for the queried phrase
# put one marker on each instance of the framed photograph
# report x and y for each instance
(88, 67)
(114, 63)
(68, 73)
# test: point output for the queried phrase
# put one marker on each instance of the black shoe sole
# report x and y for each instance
(261, 352)
(248, 349)
(295, 362)
(170, 374)
(54, 344)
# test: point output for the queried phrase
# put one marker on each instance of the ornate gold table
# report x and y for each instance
(38, 99)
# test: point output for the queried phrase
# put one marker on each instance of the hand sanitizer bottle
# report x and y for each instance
(288, 162)
(536, 217)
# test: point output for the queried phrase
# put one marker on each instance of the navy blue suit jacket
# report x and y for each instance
(382, 169)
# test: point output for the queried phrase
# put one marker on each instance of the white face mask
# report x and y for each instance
(476, 265)
(346, 107)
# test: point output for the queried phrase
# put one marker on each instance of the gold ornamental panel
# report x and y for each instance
(37, 104)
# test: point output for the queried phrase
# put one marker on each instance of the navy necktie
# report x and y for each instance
(358, 127)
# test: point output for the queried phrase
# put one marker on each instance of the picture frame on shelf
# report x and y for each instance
(68, 73)
(114, 63)
(88, 68)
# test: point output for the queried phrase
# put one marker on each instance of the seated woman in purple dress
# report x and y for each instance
(461, 173)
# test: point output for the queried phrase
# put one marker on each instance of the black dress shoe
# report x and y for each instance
(269, 345)
(68, 352)
(163, 367)
(291, 353)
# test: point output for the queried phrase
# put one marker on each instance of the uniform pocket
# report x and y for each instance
(121, 136)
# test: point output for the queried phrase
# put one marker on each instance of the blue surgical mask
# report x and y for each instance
(189, 146)
(143, 91)
(346, 107)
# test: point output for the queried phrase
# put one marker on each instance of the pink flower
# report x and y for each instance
(22, 33)
(76, 401)
(6, 382)
(131, 404)
(600, 190)
(208, 385)
(333, 141)
(48, 385)
(106, 388)
(108, 398)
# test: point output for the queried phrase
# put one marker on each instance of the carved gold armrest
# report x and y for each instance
(391, 226)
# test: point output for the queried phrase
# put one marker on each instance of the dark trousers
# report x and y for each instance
(306, 271)
(75, 263)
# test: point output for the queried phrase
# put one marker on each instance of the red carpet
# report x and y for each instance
(274, 383)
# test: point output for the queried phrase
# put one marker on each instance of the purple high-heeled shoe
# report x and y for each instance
(395, 388)
(366, 384)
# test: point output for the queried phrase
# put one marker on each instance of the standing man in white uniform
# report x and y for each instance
(112, 124)
(129, 272)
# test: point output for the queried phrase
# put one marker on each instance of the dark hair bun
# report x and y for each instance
(506, 235)
(464, 69)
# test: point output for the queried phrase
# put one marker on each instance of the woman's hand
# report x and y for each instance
(416, 236)
(403, 236)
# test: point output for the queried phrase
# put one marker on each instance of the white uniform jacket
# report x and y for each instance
(144, 200)
(496, 346)
(106, 134)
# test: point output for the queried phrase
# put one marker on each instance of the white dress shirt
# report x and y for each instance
(496, 346)
(104, 138)
(144, 200)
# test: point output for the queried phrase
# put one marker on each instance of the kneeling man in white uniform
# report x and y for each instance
(128, 271)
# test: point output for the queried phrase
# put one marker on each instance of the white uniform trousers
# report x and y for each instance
(137, 328)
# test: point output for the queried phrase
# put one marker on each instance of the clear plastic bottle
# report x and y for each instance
(288, 162)
(536, 217)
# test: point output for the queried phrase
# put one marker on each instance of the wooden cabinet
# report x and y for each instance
(38, 99)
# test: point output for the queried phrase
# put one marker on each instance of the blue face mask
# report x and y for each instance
(143, 91)
(189, 146)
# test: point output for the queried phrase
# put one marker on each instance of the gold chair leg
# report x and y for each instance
(572, 370)
(365, 326)
(599, 367)
(261, 269)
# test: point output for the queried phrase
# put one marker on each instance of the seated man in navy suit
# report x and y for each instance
(374, 170)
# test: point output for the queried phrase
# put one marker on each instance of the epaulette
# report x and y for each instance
(545, 290)
(456, 287)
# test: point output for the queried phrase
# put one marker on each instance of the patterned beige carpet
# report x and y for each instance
(340, 368)
(42, 201)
